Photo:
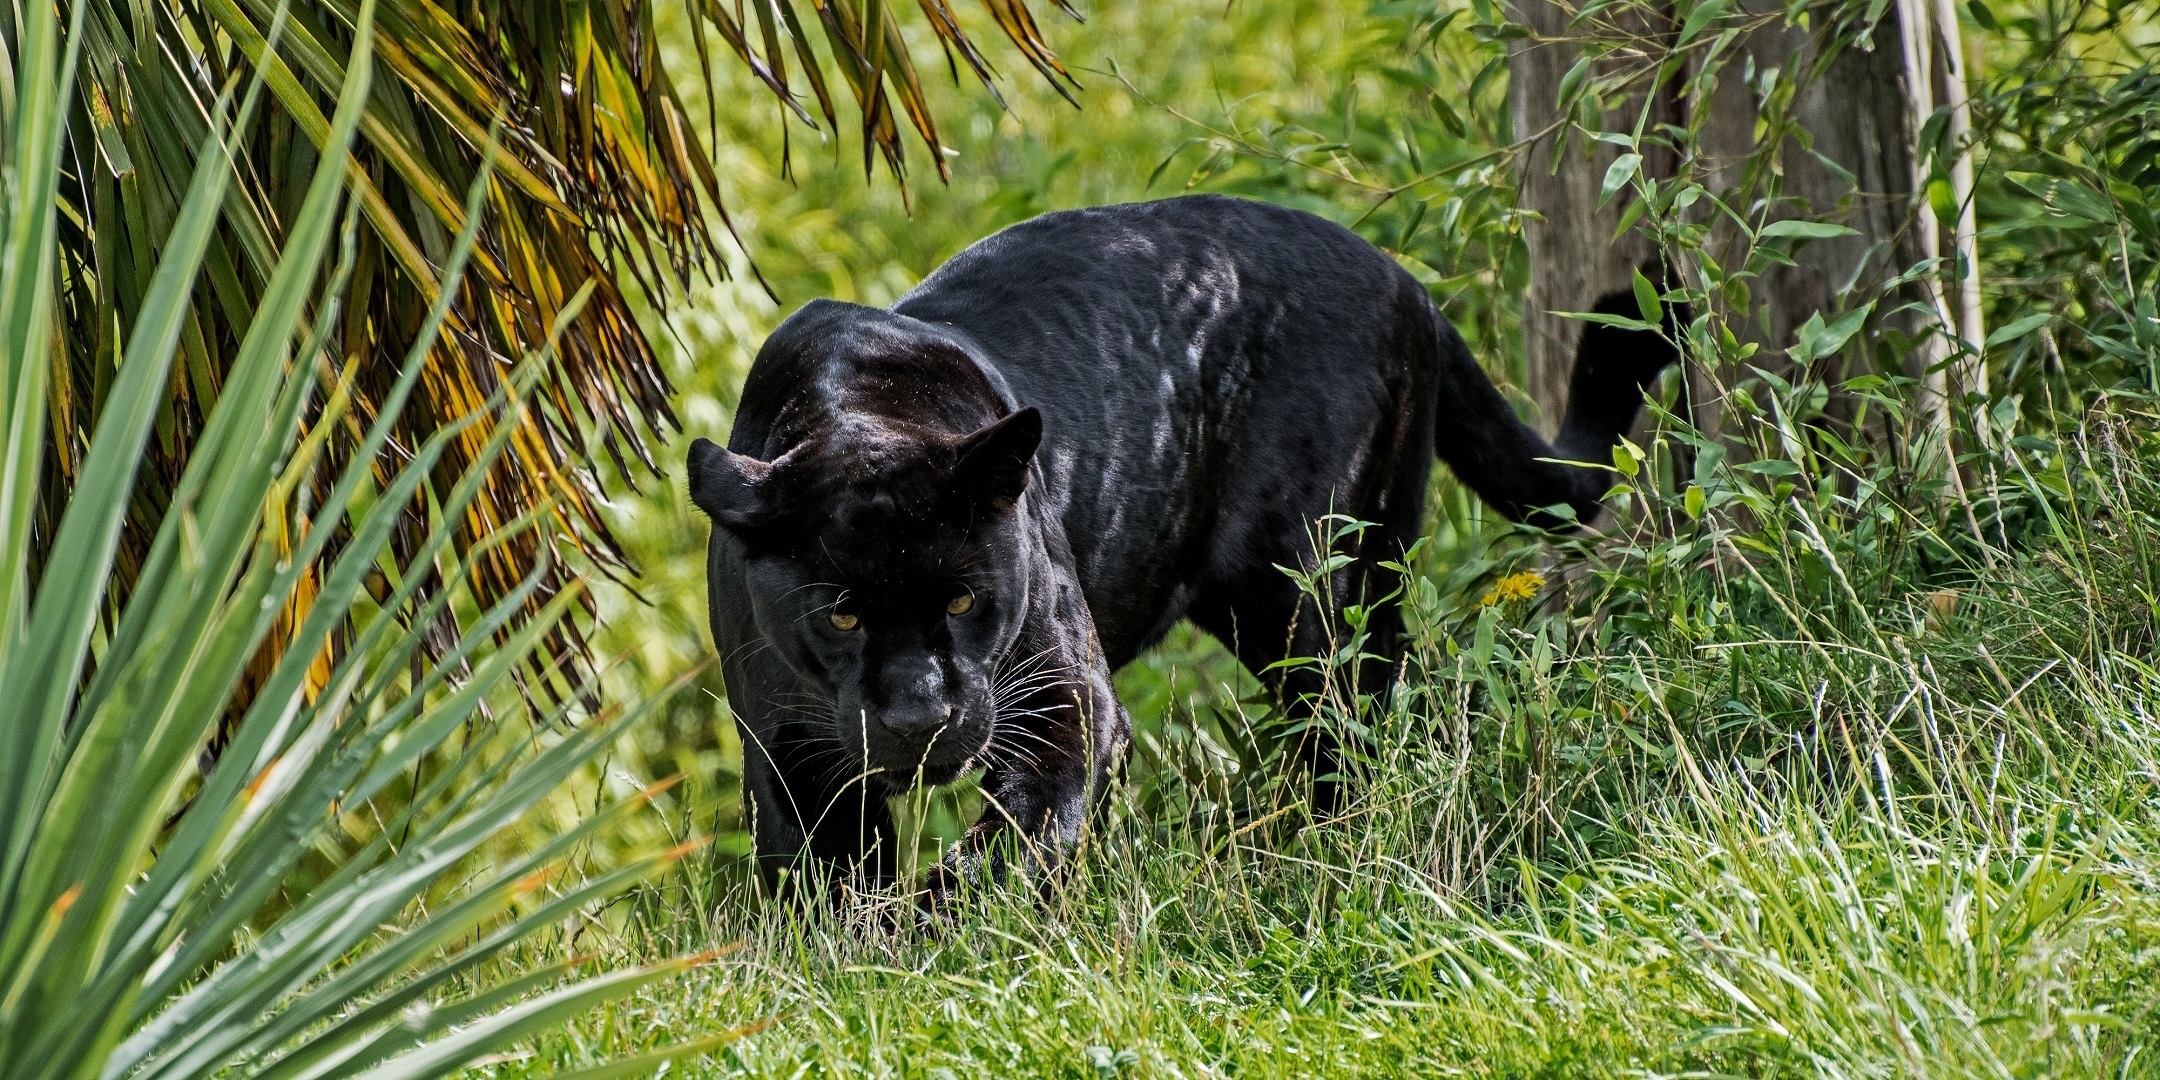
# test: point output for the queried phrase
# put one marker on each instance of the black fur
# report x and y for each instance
(1094, 424)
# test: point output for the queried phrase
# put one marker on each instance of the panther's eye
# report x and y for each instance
(961, 604)
(844, 621)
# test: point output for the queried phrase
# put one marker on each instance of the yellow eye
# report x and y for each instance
(842, 621)
(959, 605)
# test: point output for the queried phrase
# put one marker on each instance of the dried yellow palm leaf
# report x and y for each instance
(599, 179)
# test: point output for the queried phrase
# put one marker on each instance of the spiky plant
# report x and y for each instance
(600, 178)
(288, 912)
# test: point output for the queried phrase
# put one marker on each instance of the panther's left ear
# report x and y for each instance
(993, 462)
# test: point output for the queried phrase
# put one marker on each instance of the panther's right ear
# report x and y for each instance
(729, 487)
(993, 462)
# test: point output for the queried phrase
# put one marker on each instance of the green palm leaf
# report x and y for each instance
(152, 924)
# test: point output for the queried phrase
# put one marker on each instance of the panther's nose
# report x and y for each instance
(915, 723)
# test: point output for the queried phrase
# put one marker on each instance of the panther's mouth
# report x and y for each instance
(900, 781)
(942, 759)
(928, 775)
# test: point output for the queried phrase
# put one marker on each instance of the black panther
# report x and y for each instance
(940, 527)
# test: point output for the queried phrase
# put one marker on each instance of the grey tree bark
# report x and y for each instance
(1850, 160)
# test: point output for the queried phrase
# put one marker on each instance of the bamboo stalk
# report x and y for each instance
(1915, 34)
(1972, 373)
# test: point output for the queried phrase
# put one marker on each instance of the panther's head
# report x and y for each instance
(887, 564)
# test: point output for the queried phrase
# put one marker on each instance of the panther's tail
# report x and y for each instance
(1498, 455)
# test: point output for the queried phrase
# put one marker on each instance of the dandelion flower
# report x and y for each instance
(1521, 586)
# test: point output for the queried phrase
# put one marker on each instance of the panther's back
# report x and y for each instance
(1213, 374)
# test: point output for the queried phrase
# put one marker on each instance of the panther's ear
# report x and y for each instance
(729, 487)
(993, 462)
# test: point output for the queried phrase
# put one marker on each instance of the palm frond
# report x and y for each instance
(601, 186)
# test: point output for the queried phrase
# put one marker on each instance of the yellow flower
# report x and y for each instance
(1521, 586)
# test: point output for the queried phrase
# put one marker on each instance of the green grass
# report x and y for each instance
(1893, 813)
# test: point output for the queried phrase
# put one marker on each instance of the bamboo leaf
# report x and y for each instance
(1646, 299)
(1617, 176)
(1797, 229)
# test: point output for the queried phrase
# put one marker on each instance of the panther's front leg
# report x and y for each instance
(820, 828)
(1059, 737)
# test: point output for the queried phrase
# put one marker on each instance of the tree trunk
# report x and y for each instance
(1849, 159)
(1575, 256)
